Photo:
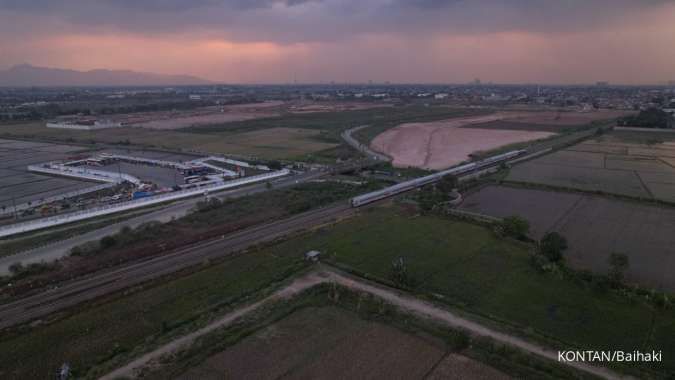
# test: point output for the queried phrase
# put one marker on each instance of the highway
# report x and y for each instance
(108, 281)
(176, 210)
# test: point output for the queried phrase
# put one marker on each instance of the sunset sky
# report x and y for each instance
(279, 41)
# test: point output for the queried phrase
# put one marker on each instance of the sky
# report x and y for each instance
(401, 41)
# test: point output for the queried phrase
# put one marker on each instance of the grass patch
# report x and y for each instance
(109, 331)
(467, 266)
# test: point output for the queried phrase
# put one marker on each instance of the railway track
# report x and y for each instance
(109, 281)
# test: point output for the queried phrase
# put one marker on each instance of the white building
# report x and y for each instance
(85, 126)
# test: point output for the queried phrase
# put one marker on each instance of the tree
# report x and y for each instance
(447, 183)
(399, 273)
(618, 264)
(552, 246)
(649, 118)
(516, 227)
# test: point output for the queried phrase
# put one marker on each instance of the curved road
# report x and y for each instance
(354, 143)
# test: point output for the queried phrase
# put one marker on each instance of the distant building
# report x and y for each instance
(602, 83)
(195, 97)
(440, 96)
(85, 125)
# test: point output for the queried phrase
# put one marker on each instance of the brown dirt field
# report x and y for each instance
(438, 145)
(201, 116)
(334, 107)
(458, 367)
(325, 343)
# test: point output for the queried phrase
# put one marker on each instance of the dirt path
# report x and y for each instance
(289, 291)
(391, 296)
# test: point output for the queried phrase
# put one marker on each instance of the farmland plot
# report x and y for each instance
(612, 164)
(329, 342)
(594, 227)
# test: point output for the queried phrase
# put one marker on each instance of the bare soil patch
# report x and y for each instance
(438, 145)
(202, 116)
(330, 343)
(313, 107)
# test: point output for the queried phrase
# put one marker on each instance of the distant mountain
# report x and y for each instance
(27, 75)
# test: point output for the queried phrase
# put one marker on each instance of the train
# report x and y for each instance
(419, 182)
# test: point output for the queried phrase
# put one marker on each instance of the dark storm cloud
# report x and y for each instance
(288, 21)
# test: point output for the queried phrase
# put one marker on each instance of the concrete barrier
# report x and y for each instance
(83, 173)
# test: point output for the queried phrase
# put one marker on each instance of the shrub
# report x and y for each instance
(515, 227)
(108, 241)
(552, 246)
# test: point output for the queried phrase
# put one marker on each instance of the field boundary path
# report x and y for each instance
(392, 296)
(354, 143)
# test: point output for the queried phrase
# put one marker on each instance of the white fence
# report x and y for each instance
(224, 171)
(232, 162)
(83, 173)
(110, 209)
(70, 194)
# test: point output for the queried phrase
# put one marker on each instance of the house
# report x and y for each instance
(312, 256)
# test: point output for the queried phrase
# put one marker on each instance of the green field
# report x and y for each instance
(463, 265)
(109, 331)
(469, 267)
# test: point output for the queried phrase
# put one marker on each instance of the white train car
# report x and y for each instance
(419, 182)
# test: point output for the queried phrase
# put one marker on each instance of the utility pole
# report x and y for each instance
(16, 216)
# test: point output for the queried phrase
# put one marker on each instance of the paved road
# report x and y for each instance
(111, 280)
(60, 249)
(347, 136)
(391, 296)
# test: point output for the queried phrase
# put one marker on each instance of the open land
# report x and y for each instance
(17, 185)
(594, 226)
(218, 115)
(617, 163)
(270, 143)
(330, 342)
(553, 121)
(463, 265)
(201, 116)
(104, 332)
(468, 266)
(441, 144)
